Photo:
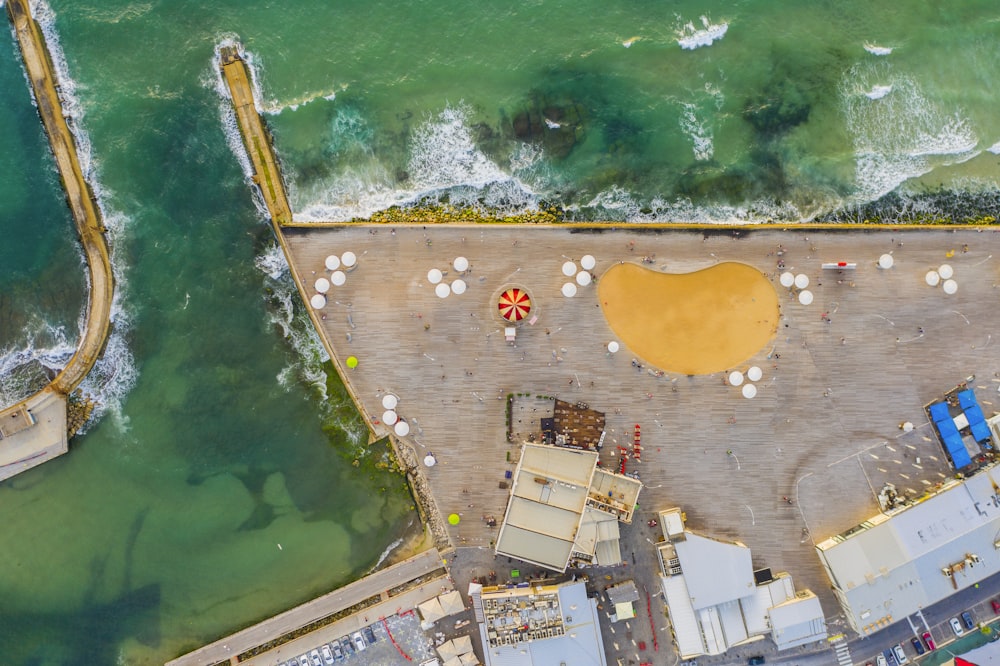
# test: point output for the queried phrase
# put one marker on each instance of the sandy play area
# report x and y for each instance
(693, 323)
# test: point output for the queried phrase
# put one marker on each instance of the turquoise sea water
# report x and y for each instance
(160, 530)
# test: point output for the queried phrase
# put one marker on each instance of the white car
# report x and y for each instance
(327, 654)
(359, 641)
(316, 661)
(897, 650)
(880, 660)
(956, 626)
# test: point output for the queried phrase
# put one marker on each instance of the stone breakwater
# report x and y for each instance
(426, 506)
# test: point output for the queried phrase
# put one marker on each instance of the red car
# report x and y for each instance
(928, 641)
(996, 606)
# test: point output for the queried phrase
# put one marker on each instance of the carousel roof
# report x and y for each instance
(514, 304)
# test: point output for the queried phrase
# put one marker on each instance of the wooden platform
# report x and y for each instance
(839, 377)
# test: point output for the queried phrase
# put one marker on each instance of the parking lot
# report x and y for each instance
(372, 646)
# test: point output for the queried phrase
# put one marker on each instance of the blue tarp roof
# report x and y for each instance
(966, 398)
(974, 414)
(980, 431)
(939, 412)
(947, 429)
(960, 457)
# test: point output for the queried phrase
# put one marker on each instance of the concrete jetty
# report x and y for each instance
(377, 585)
(31, 445)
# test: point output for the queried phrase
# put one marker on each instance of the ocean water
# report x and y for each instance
(220, 436)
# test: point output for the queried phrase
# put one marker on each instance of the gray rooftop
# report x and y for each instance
(715, 571)
(894, 567)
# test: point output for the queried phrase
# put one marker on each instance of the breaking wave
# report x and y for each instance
(444, 164)
(898, 136)
(690, 37)
(877, 50)
(618, 204)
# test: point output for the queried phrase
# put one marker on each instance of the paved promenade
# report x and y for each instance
(89, 226)
(839, 376)
(379, 583)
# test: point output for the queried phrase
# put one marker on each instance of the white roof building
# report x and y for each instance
(561, 506)
(893, 565)
(715, 602)
(539, 625)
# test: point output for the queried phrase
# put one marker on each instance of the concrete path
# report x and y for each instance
(89, 225)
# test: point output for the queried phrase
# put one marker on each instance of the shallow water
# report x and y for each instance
(160, 529)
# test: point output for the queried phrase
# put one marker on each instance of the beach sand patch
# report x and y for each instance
(692, 323)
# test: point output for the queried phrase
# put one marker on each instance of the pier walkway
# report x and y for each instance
(32, 445)
(379, 584)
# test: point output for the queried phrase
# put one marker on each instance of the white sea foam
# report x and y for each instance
(877, 50)
(995, 148)
(698, 130)
(904, 135)
(288, 314)
(443, 161)
(618, 204)
(388, 551)
(630, 41)
(114, 374)
(878, 92)
(690, 37)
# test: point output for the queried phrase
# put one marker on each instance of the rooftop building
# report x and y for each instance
(899, 562)
(539, 625)
(562, 507)
(716, 600)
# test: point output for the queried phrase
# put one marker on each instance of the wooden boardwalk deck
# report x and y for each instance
(833, 393)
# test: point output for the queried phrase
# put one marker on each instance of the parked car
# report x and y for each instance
(918, 647)
(956, 626)
(338, 653)
(369, 635)
(967, 619)
(880, 660)
(928, 641)
(348, 646)
(316, 660)
(359, 641)
(996, 607)
(327, 654)
(889, 657)
(303, 660)
(897, 650)
(756, 660)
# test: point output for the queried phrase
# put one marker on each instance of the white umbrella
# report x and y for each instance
(349, 259)
(402, 428)
(434, 275)
(442, 290)
(322, 285)
(569, 290)
(805, 297)
(613, 347)
(318, 301)
(389, 401)
(332, 262)
(754, 374)
(907, 427)
(932, 278)
(338, 278)
(569, 269)
(735, 377)
(583, 278)
(430, 460)
(885, 261)
(461, 264)
(458, 286)
(950, 286)
(389, 417)
(787, 279)
(945, 271)
(587, 262)
(749, 391)
(801, 280)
